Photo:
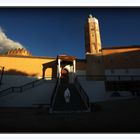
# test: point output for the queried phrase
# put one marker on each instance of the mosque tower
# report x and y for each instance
(92, 36)
(93, 49)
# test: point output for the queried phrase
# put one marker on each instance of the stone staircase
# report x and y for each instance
(76, 103)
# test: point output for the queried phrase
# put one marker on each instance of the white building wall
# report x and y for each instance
(80, 72)
(94, 89)
(97, 92)
(39, 95)
(15, 80)
(128, 72)
(122, 72)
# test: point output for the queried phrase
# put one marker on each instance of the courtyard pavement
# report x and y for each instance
(121, 116)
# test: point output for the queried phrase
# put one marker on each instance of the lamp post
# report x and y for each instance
(2, 72)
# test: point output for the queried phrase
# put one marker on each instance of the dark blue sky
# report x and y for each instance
(53, 31)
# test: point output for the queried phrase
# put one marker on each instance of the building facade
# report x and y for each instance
(100, 64)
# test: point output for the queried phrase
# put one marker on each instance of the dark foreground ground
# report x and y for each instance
(118, 116)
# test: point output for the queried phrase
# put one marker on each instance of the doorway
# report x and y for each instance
(64, 75)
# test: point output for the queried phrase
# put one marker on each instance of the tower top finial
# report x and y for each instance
(90, 15)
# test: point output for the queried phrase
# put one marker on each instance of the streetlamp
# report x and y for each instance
(2, 72)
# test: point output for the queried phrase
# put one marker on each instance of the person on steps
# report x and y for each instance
(67, 95)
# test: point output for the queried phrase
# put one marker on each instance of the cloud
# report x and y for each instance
(7, 43)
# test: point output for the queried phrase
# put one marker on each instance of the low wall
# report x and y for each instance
(38, 95)
(15, 80)
(94, 89)
(97, 92)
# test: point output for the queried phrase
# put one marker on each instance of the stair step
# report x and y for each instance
(76, 103)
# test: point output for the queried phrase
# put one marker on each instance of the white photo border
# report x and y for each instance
(69, 3)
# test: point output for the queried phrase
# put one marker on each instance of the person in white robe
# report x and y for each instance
(67, 95)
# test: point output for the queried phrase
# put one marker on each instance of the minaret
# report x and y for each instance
(94, 58)
(92, 36)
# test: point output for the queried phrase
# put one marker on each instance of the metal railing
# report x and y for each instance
(54, 95)
(22, 88)
(82, 92)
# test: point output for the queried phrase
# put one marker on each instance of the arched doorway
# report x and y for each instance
(64, 75)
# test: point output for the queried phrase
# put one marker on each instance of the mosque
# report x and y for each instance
(105, 74)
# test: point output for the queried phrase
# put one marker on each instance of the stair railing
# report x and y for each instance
(83, 94)
(54, 95)
(21, 88)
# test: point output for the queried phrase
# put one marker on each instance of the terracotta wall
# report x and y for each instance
(125, 58)
(95, 64)
(81, 65)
